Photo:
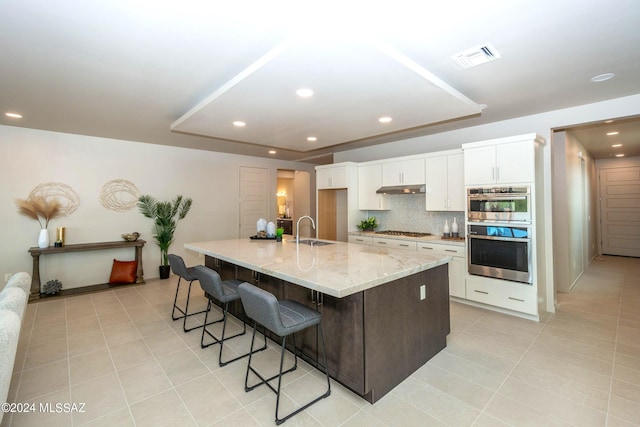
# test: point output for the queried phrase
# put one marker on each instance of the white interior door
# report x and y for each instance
(620, 211)
(254, 197)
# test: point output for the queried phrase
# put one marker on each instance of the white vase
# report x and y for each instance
(43, 238)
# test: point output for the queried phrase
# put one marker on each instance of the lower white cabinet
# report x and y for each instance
(362, 240)
(502, 293)
(395, 243)
(457, 266)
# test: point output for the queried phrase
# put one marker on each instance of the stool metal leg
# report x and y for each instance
(222, 339)
(185, 312)
(281, 373)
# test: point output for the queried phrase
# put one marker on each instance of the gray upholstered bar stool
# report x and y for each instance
(224, 291)
(283, 318)
(188, 274)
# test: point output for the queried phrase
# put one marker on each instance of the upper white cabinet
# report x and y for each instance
(445, 182)
(500, 161)
(369, 180)
(403, 172)
(331, 177)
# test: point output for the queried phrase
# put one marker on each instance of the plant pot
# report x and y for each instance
(164, 271)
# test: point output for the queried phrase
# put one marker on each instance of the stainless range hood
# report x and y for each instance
(401, 189)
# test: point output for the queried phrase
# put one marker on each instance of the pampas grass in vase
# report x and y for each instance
(42, 210)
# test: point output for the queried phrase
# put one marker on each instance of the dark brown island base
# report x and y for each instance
(375, 337)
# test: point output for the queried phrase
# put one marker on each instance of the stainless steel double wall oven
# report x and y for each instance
(499, 233)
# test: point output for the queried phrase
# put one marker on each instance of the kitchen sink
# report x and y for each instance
(312, 242)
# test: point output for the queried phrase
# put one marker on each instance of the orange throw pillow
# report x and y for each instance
(123, 271)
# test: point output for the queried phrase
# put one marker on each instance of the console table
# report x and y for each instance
(36, 252)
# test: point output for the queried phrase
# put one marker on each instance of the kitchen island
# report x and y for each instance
(385, 312)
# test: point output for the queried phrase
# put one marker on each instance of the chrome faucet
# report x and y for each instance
(313, 224)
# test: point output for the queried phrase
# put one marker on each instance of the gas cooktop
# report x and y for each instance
(403, 233)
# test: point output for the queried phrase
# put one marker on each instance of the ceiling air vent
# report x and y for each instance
(476, 56)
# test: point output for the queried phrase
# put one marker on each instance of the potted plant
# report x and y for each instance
(368, 224)
(165, 216)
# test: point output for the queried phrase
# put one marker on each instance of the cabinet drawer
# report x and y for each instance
(395, 244)
(444, 250)
(509, 295)
(363, 240)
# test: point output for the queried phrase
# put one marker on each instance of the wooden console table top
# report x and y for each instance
(36, 252)
(85, 247)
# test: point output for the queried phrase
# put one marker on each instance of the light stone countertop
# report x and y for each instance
(339, 269)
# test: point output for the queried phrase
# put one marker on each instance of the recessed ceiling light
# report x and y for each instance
(616, 145)
(385, 119)
(612, 133)
(620, 155)
(239, 124)
(13, 115)
(312, 139)
(602, 77)
(304, 92)
(272, 151)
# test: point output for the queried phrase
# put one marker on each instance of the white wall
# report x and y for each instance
(30, 157)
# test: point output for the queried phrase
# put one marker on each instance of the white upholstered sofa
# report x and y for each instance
(13, 303)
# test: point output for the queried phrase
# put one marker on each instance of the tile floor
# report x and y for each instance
(118, 353)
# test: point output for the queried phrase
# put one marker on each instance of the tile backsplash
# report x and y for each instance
(407, 213)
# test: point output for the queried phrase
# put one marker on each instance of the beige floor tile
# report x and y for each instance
(80, 311)
(627, 410)
(151, 326)
(469, 370)
(182, 366)
(102, 396)
(240, 418)
(562, 387)
(197, 396)
(48, 332)
(164, 343)
(333, 410)
(263, 410)
(47, 352)
(439, 405)
(121, 334)
(43, 380)
(129, 354)
(472, 394)
(83, 326)
(627, 374)
(515, 413)
(114, 318)
(394, 411)
(86, 343)
(121, 418)
(474, 350)
(89, 366)
(554, 405)
(142, 381)
(363, 419)
(164, 409)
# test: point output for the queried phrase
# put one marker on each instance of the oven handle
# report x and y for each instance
(484, 197)
(473, 235)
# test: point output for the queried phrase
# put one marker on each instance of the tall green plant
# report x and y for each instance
(164, 219)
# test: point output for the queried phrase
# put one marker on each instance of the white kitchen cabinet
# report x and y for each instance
(503, 163)
(445, 183)
(395, 243)
(361, 240)
(369, 180)
(403, 172)
(457, 266)
(332, 177)
(502, 293)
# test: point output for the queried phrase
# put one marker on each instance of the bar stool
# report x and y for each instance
(283, 318)
(225, 291)
(187, 273)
